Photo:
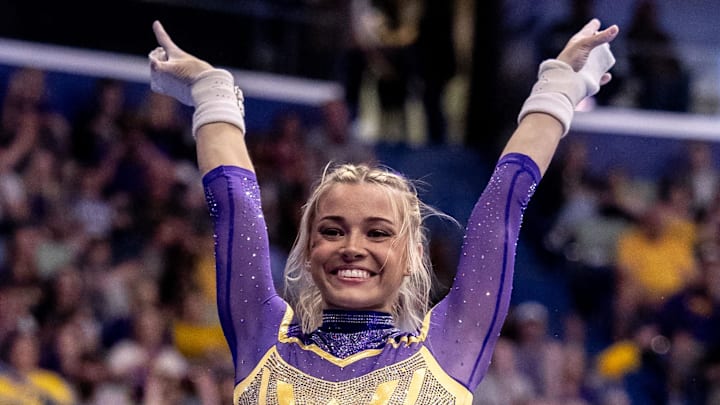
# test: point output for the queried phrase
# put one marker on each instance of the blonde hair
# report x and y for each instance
(413, 298)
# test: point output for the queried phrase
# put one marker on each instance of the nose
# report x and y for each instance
(353, 248)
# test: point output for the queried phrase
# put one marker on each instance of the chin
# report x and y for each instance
(356, 305)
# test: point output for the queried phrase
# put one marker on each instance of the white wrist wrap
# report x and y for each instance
(217, 99)
(559, 88)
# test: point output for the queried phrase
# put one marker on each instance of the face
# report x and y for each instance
(355, 251)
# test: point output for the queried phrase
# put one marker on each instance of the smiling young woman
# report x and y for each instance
(366, 222)
(354, 325)
(353, 259)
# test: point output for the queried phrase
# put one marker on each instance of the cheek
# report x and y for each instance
(318, 252)
(394, 261)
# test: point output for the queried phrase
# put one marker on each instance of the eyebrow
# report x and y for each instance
(339, 218)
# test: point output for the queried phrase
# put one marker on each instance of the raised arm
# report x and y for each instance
(218, 119)
(578, 72)
(472, 314)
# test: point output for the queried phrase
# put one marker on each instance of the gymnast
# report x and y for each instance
(354, 325)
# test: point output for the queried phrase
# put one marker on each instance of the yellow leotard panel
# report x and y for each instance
(416, 380)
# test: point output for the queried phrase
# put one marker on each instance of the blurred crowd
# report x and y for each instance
(106, 251)
(106, 254)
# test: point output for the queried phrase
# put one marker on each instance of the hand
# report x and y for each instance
(578, 72)
(172, 70)
(577, 50)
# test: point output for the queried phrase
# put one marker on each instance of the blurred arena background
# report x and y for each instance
(103, 230)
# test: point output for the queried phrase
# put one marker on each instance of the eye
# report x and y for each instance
(379, 234)
(331, 232)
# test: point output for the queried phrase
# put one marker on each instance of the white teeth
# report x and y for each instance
(353, 273)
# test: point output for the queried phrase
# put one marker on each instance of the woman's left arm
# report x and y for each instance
(472, 314)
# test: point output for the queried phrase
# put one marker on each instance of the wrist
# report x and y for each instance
(553, 104)
(556, 93)
(217, 99)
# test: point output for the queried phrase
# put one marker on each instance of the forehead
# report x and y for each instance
(358, 200)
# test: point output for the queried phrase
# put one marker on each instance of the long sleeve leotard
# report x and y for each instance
(442, 362)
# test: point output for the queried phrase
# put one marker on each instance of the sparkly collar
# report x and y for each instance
(345, 333)
(342, 321)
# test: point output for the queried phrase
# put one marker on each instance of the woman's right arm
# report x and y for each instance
(218, 120)
(250, 309)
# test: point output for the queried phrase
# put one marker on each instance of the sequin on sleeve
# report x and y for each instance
(471, 315)
(250, 309)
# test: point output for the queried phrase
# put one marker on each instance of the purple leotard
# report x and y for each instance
(443, 362)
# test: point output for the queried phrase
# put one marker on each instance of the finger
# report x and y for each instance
(605, 79)
(163, 38)
(604, 36)
(159, 54)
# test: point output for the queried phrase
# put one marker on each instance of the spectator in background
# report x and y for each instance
(655, 261)
(15, 207)
(635, 365)
(539, 356)
(664, 83)
(90, 209)
(575, 385)
(28, 121)
(504, 382)
(382, 53)
(698, 169)
(691, 320)
(575, 199)
(333, 139)
(73, 349)
(170, 385)
(568, 197)
(435, 50)
(22, 380)
(16, 303)
(21, 265)
(128, 294)
(24, 120)
(147, 352)
(362, 40)
(589, 244)
(196, 331)
(292, 161)
(162, 118)
(65, 297)
(44, 183)
(675, 198)
(98, 124)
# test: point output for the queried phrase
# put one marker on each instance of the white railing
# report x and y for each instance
(134, 68)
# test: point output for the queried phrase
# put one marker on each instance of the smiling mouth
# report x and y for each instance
(353, 273)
